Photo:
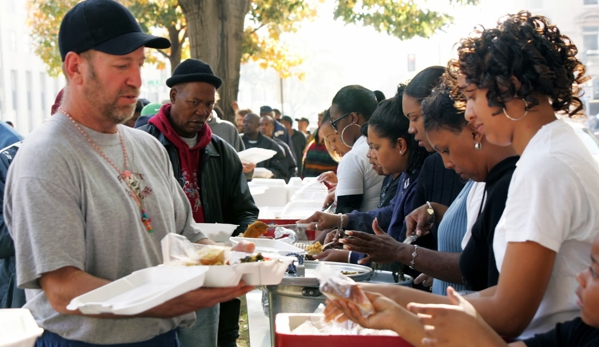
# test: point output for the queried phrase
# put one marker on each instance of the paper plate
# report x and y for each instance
(255, 155)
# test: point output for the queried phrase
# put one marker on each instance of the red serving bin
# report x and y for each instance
(271, 231)
(286, 322)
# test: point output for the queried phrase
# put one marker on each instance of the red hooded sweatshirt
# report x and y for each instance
(189, 158)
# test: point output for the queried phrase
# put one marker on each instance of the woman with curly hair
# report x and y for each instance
(515, 78)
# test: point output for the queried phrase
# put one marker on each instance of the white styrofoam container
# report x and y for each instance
(18, 328)
(269, 272)
(265, 273)
(274, 196)
(217, 232)
(269, 245)
(140, 291)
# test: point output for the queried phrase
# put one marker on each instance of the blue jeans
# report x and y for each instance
(204, 332)
(50, 339)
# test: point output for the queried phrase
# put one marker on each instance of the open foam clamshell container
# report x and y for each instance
(141, 290)
(18, 328)
(286, 322)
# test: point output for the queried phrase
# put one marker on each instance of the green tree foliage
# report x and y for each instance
(265, 22)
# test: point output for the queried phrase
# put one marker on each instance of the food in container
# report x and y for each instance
(226, 267)
(314, 249)
(255, 230)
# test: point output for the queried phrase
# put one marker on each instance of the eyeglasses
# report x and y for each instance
(336, 121)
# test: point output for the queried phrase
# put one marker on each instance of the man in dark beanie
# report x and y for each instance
(211, 175)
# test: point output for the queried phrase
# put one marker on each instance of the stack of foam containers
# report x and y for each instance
(274, 198)
(280, 197)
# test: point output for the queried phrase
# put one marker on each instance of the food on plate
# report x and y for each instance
(253, 258)
(212, 255)
(313, 249)
(349, 273)
(244, 246)
(255, 230)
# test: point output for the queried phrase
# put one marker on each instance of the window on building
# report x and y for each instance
(43, 92)
(28, 86)
(13, 40)
(590, 2)
(590, 45)
(411, 62)
(14, 84)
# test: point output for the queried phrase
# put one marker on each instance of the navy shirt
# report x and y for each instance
(574, 333)
(390, 218)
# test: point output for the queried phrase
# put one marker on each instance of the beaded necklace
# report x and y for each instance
(129, 179)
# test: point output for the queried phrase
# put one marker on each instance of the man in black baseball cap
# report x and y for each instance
(89, 199)
(105, 26)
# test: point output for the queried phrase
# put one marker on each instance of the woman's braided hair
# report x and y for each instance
(529, 48)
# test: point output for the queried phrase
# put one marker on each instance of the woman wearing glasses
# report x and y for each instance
(358, 186)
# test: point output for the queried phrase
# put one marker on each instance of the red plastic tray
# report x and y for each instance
(292, 340)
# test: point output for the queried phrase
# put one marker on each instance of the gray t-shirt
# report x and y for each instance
(66, 206)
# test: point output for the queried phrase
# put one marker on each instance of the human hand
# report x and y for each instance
(332, 236)
(419, 221)
(249, 167)
(380, 248)
(235, 105)
(328, 177)
(321, 221)
(457, 324)
(424, 279)
(336, 255)
(197, 299)
(386, 312)
(329, 200)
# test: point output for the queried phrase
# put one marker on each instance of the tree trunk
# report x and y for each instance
(215, 30)
(175, 56)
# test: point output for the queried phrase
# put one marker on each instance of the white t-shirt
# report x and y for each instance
(356, 176)
(553, 200)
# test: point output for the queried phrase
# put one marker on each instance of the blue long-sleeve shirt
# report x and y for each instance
(390, 218)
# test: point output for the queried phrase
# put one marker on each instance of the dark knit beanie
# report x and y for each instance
(193, 70)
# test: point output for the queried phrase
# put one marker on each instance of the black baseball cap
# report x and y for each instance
(287, 119)
(303, 119)
(265, 109)
(106, 26)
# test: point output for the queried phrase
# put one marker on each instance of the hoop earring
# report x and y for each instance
(478, 146)
(343, 131)
(517, 119)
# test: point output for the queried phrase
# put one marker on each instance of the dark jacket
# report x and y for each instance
(291, 163)
(224, 190)
(10, 295)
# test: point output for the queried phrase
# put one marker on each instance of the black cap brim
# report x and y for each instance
(196, 77)
(127, 43)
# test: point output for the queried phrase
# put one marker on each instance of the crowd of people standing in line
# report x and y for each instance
(473, 163)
